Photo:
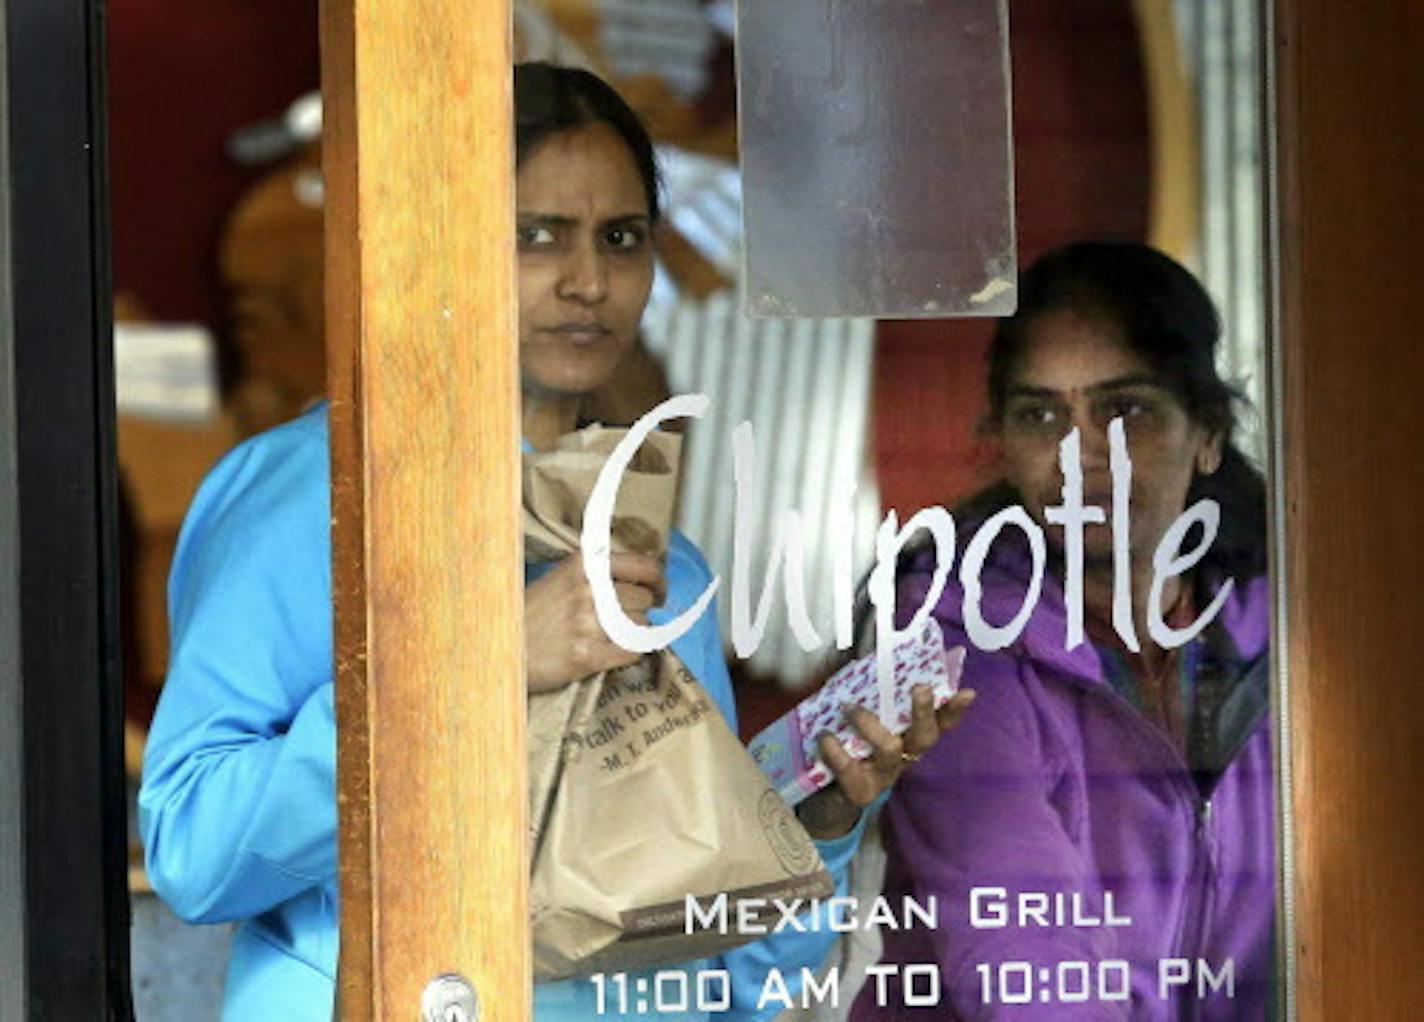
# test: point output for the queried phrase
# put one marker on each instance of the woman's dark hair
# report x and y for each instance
(1166, 318)
(550, 99)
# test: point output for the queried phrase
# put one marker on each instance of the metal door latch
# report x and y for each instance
(449, 998)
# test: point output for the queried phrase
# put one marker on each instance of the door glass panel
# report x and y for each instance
(1097, 833)
(217, 266)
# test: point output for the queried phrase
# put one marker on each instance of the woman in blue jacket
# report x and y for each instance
(238, 806)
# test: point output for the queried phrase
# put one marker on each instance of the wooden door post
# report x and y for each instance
(427, 575)
(1350, 142)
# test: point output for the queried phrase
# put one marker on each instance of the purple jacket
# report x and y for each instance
(1054, 784)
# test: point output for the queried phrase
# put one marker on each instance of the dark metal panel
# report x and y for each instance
(62, 497)
(13, 967)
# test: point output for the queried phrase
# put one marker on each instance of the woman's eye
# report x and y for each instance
(534, 237)
(624, 239)
(1035, 416)
(1129, 408)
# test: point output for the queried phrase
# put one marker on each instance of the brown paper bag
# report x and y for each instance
(640, 794)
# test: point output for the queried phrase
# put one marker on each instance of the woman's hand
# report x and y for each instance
(833, 811)
(563, 640)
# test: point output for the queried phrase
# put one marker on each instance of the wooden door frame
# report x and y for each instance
(1349, 143)
(1339, 234)
(1347, 139)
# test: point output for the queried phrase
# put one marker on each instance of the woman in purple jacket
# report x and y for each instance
(1098, 840)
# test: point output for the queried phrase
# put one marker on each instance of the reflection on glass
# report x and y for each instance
(877, 159)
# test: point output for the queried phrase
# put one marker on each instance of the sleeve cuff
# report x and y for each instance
(837, 852)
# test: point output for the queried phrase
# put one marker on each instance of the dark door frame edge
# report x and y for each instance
(58, 498)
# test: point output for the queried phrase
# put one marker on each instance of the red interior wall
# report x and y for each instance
(182, 76)
(1081, 169)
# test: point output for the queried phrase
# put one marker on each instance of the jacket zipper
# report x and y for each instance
(1204, 865)
(1205, 839)
(1190, 923)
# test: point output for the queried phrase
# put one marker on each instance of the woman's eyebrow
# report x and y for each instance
(558, 220)
(1124, 382)
(627, 220)
(1028, 390)
(546, 219)
(1105, 386)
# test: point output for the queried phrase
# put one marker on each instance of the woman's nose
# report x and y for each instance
(584, 277)
(1094, 440)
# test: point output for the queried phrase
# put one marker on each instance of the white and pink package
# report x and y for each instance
(787, 750)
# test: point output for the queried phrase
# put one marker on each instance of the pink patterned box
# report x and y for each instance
(787, 751)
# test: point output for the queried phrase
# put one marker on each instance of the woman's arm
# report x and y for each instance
(788, 951)
(978, 813)
(238, 802)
